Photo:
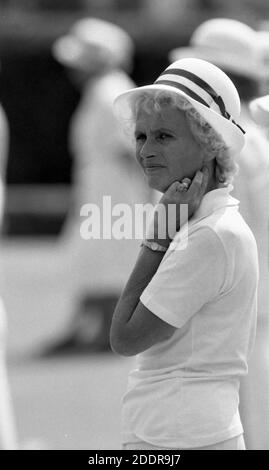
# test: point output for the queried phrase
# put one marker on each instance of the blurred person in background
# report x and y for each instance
(263, 38)
(259, 109)
(189, 308)
(8, 434)
(98, 56)
(235, 48)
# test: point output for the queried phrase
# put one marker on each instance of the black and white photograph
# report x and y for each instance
(134, 228)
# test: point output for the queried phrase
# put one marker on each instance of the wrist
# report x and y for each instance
(154, 246)
(164, 242)
(162, 227)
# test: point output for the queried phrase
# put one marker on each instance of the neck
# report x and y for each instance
(213, 183)
(211, 186)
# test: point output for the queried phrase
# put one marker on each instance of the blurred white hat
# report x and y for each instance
(93, 42)
(227, 43)
(259, 109)
(206, 87)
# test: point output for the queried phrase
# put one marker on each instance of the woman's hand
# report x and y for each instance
(170, 215)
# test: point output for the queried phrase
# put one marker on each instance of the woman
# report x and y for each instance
(189, 308)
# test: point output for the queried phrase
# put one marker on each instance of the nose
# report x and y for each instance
(148, 149)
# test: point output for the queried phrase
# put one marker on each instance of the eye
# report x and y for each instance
(140, 137)
(164, 136)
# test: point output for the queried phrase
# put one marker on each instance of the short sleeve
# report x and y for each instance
(187, 279)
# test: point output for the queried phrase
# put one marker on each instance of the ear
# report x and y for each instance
(220, 177)
(207, 157)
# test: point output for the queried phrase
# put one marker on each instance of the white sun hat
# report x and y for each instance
(259, 109)
(227, 43)
(206, 87)
(90, 39)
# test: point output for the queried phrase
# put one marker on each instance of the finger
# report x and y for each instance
(196, 182)
(186, 181)
(204, 180)
(173, 188)
(185, 184)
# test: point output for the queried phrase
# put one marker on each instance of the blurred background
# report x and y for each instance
(73, 401)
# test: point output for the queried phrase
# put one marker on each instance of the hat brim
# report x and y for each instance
(230, 133)
(228, 62)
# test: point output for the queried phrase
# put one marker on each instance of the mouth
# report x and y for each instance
(152, 167)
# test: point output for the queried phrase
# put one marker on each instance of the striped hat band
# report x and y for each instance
(197, 89)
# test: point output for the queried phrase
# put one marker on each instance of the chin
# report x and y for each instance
(157, 186)
(156, 183)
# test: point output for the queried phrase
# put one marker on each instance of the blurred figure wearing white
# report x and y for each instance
(263, 38)
(259, 109)
(8, 435)
(235, 47)
(98, 56)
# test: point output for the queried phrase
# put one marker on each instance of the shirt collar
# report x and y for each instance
(214, 200)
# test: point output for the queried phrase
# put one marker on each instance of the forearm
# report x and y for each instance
(146, 266)
(128, 334)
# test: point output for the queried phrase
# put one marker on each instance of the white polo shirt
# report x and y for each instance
(184, 390)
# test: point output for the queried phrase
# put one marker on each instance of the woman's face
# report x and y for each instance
(165, 147)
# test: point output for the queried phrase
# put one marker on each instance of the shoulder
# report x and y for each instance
(233, 242)
(228, 226)
(200, 244)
